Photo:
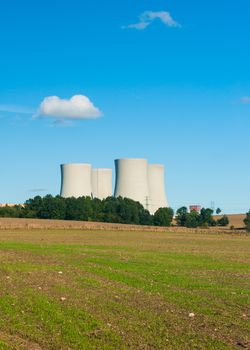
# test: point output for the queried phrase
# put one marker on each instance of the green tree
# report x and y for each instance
(192, 219)
(80, 209)
(86, 208)
(163, 217)
(218, 211)
(97, 207)
(181, 216)
(247, 221)
(110, 210)
(223, 221)
(73, 210)
(32, 207)
(11, 212)
(145, 218)
(206, 217)
(52, 208)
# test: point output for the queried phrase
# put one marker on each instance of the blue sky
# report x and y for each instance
(175, 94)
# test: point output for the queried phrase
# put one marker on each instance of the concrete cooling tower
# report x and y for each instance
(135, 179)
(156, 186)
(132, 179)
(75, 180)
(101, 183)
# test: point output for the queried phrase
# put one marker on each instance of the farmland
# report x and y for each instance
(119, 289)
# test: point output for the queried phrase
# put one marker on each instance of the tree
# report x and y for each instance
(145, 218)
(206, 217)
(97, 206)
(128, 211)
(181, 216)
(247, 221)
(218, 211)
(15, 211)
(52, 208)
(163, 217)
(79, 209)
(223, 221)
(73, 211)
(32, 207)
(192, 219)
(195, 219)
(86, 208)
(110, 210)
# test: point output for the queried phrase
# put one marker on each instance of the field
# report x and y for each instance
(74, 289)
(236, 220)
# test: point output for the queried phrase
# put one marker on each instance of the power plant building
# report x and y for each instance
(142, 182)
(76, 180)
(101, 183)
(80, 180)
(156, 185)
(135, 179)
(132, 179)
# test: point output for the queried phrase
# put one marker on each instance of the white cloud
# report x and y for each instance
(139, 26)
(77, 107)
(245, 99)
(147, 18)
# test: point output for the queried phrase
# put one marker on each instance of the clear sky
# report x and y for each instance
(171, 78)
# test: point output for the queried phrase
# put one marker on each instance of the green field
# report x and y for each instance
(62, 289)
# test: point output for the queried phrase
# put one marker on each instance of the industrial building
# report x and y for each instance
(101, 183)
(80, 180)
(76, 180)
(135, 179)
(132, 179)
(142, 182)
(156, 187)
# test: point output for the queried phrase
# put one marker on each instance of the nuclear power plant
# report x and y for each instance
(76, 180)
(101, 183)
(80, 180)
(135, 179)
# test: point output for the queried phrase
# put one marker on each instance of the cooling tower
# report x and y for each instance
(132, 179)
(76, 180)
(156, 185)
(101, 183)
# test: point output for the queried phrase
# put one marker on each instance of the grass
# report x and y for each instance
(63, 289)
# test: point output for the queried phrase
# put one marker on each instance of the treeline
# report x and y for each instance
(194, 219)
(111, 209)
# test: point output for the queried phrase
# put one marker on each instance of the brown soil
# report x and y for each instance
(235, 220)
(13, 223)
